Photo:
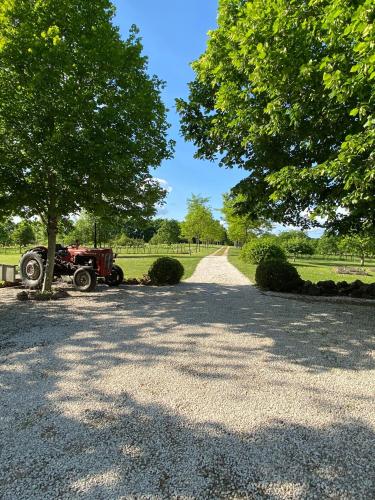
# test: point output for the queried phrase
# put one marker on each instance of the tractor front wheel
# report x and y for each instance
(116, 277)
(84, 279)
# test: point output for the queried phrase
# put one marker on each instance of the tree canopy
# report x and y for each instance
(285, 90)
(200, 224)
(298, 246)
(81, 121)
(357, 244)
(168, 232)
(198, 218)
(328, 245)
(6, 229)
(240, 227)
(23, 234)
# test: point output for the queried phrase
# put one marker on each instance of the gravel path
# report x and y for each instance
(206, 390)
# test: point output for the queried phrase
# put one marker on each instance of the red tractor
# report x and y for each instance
(85, 265)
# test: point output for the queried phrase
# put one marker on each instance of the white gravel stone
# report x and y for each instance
(205, 390)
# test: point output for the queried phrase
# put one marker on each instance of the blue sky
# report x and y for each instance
(174, 34)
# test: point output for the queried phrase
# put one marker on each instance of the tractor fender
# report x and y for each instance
(84, 267)
(42, 251)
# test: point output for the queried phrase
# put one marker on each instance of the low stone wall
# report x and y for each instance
(7, 273)
(356, 289)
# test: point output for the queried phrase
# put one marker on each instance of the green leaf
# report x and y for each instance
(282, 111)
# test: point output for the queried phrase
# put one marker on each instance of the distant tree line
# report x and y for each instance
(199, 227)
(297, 243)
(242, 227)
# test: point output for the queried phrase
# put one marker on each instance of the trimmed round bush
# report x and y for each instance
(166, 271)
(257, 251)
(278, 275)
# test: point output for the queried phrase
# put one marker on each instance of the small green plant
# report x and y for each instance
(43, 296)
(256, 251)
(166, 271)
(278, 275)
(23, 296)
(2, 284)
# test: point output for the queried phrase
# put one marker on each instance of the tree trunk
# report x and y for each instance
(95, 235)
(363, 260)
(52, 233)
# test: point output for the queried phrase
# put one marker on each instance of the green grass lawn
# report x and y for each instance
(313, 269)
(246, 269)
(135, 266)
(10, 259)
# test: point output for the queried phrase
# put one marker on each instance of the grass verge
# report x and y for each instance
(312, 269)
(246, 269)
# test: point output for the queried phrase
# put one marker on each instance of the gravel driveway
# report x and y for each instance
(205, 390)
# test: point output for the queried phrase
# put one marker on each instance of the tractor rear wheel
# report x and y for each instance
(116, 277)
(84, 279)
(32, 270)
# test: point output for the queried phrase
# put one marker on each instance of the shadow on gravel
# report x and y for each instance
(128, 449)
(115, 446)
(317, 336)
